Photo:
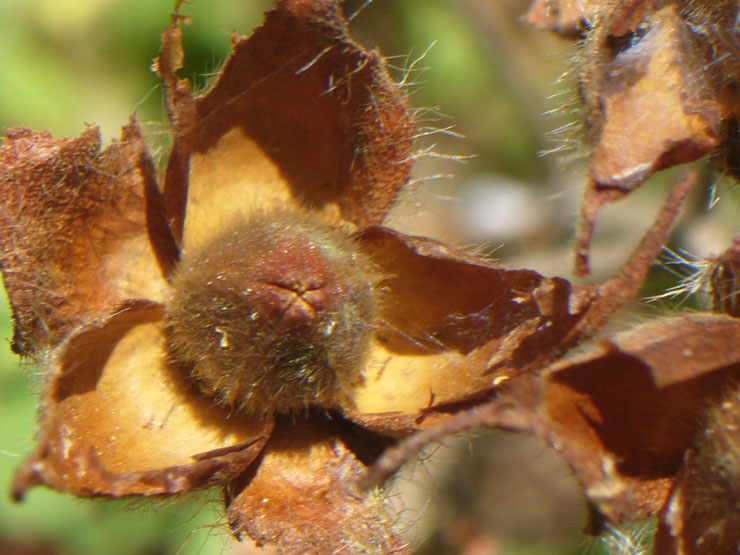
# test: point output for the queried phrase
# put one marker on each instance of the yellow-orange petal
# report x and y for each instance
(84, 229)
(300, 115)
(117, 420)
(303, 497)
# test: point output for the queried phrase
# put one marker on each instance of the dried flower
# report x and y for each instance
(241, 319)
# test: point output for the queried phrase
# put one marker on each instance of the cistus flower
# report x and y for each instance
(241, 319)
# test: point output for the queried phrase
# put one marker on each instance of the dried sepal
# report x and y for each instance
(658, 87)
(181, 113)
(624, 413)
(647, 105)
(428, 354)
(84, 230)
(299, 115)
(303, 497)
(511, 399)
(118, 420)
(639, 75)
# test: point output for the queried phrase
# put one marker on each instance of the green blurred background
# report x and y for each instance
(475, 67)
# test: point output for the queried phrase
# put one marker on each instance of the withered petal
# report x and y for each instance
(452, 327)
(84, 229)
(117, 420)
(624, 413)
(299, 115)
(302, 496)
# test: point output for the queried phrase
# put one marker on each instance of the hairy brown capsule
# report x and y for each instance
(275, 314)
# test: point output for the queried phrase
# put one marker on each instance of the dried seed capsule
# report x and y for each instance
(275, 314)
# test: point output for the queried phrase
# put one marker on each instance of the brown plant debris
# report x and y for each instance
(658, 84)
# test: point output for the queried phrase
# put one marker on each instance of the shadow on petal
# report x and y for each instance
(300, 115)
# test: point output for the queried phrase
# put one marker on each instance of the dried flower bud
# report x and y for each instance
(274, 315)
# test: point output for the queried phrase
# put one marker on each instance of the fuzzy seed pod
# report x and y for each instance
(709, 500)
(275, 314)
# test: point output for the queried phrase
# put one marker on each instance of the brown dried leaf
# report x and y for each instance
(303, 498)
(300, 115)
(624, 413)
(517, 394)
(498, 323)
(84, 230)
(117, 420)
